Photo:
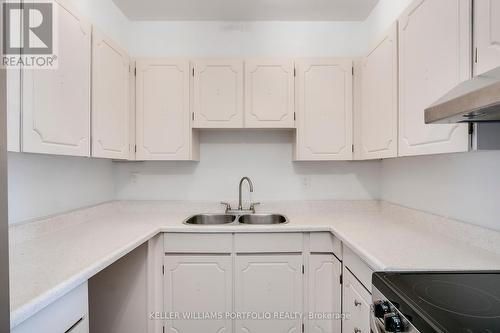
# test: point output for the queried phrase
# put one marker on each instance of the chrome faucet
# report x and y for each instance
(240, 209)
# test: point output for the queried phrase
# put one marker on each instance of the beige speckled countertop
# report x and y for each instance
(50, 257)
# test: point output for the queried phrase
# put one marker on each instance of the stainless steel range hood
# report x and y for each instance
(473, 101)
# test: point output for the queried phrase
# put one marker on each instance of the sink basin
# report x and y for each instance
(210, 219)
(262, 219)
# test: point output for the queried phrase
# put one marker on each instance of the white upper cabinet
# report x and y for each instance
(110, 98)
(435, 56)
(269, 94)
(13, 110)
(324, 109)
(163, 128)
(218, 93)
(486, 35)
(56, 102)
(376, 115)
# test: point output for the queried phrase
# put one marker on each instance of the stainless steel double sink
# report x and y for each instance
(220, 219)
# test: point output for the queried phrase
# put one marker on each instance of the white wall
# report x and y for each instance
(385, 13)
(107, 17)
(42, 185)
(246, 39)
(461, 186)
(264, 156)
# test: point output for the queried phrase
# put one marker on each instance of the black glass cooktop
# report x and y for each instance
(445, 302)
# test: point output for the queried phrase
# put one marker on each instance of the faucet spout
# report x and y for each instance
(250, 184)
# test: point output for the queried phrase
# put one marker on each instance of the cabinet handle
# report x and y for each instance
(357, 303)
(357, 330)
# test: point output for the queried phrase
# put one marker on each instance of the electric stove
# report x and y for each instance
(436, 302)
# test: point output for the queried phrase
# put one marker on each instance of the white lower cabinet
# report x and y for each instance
(69, 314)
(325, 293)
(198, 284)
(356, 305)
(269, 284)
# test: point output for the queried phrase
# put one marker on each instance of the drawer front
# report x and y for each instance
(358, 267)
(269, 243)
(198, 243)
(356, 303)
(60, 316)
(325, 242)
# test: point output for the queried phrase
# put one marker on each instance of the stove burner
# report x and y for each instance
(449, 296)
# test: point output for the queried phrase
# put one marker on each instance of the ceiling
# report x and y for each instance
(246, 10)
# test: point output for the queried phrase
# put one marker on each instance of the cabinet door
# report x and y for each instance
(56, 102)
(269, 94)
(218, 94)
(163, 119)
(376, 119)
(110, 98)
(325, 292)
(486, 35)
(324, 110)
(356, 303)
(198, 284)
(435, 56)
(13, 109)
(269, 284)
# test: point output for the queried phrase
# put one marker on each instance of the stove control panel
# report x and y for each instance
(386, 318)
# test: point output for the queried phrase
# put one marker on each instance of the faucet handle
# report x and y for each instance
(228, 206)
(252, 206)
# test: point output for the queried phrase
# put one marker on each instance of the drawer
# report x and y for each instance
(268, 242)
(68, 314)
(358, 267)
(197, 243)
(325, 242)
(356, 303)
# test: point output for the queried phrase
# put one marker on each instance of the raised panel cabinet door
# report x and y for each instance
(218, 93)
(435, 56)
(163, 118)
(110, 98)
(324, 110)
(269, 284)
(56, 102)
(196, 285)
(378, 109)
(356, 304)
(486, 35)
(269, 94)
(325, 293)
